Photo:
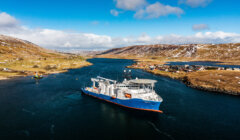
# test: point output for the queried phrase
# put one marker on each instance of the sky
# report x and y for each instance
(104, 24)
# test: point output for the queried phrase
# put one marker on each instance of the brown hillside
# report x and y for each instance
(15, 48)
(218, 52)
(19, 57)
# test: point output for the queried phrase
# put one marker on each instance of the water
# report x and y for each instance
(204, 63)
(54, 108)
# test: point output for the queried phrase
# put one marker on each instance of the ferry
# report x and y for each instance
(133, 93)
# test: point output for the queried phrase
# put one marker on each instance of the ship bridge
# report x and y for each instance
(142, 81)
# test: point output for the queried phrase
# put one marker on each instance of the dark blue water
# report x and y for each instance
(55, 109)
(204, 63)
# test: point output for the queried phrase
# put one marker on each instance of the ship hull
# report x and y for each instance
(138, 104)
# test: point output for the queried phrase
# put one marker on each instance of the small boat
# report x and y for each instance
(135, 93)
(37, 77)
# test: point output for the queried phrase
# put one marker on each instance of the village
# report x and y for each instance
(179, 68)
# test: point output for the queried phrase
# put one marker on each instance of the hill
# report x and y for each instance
(20, 57)
(211, 52)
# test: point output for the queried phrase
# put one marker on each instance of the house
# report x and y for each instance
(201, 68)
(152, 67)
(6, 69)
(186, 66)
(221, 68)
(236, 69)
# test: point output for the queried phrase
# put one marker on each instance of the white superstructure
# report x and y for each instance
(128, 89)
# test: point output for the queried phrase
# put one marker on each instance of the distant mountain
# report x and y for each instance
(199, 51)
(81, 52)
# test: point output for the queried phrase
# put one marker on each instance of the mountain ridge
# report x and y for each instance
(230, 51)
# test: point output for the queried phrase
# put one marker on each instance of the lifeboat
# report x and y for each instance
(127, 95)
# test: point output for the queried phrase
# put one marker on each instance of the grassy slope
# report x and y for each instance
(222, 81)
(24, 58)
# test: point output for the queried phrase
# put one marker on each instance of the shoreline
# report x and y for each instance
(190, 81)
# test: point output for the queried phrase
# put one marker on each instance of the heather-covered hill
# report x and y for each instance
(198, 51)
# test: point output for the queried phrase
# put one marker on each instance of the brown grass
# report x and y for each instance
(25, 58)
(221, 80)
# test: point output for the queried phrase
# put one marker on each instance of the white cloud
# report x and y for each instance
(114, 12)
(57, 39)
(196, 3)
(156, 10)
(144, 38)
(200, 27)
(7, 21)
(145, 10)
(130, 4)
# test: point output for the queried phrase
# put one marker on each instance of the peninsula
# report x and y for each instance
(22, 58)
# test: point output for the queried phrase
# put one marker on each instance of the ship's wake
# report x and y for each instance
(159, 131)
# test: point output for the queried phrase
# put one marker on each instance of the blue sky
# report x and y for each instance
(133, 18)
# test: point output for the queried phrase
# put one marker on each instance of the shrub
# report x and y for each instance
(35, 66)
(48, 67)
(20, 59)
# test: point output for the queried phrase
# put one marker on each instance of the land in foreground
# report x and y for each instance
(22, 58)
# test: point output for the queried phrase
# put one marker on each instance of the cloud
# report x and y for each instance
(196, 3)
(130, 4)
(62, 40)
(144, 10)
(202, 38)
(7, 21)
(156, 10)
(114, 12)
(200, 27)
(57, 39)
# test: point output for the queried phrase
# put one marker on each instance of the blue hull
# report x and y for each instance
(129, 103)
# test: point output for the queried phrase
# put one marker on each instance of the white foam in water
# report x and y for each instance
(52, 129)
(27, 111)
(25, 132)
(160, 132)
